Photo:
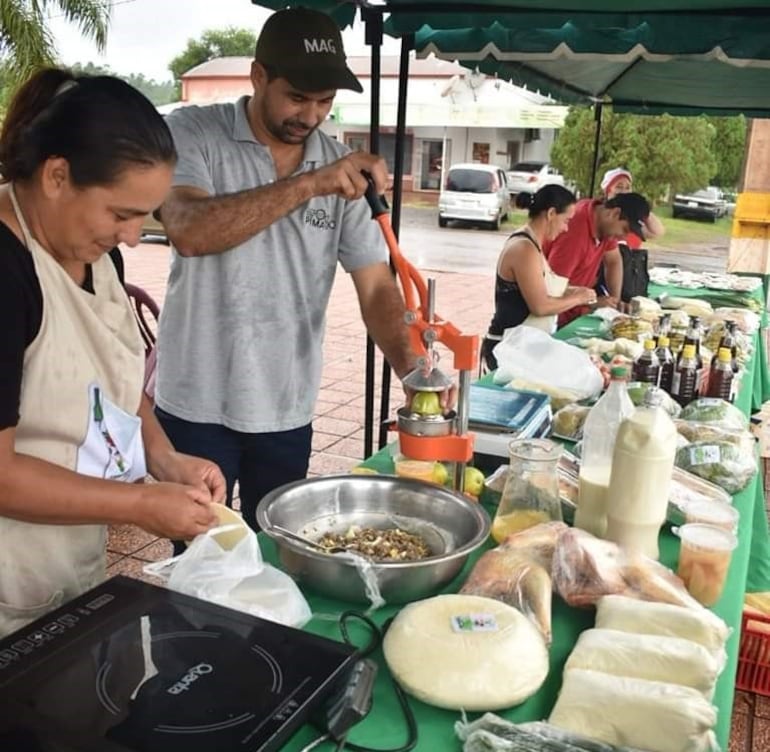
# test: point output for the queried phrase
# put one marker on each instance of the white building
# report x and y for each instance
(450, 110)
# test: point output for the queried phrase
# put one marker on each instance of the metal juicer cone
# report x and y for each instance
(434, 380)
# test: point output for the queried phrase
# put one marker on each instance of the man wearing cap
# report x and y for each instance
(592, 240)
(635, 274)
(264, 206)
(619, 180)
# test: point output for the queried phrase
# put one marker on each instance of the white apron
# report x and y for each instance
(80, 392)
(555, 286)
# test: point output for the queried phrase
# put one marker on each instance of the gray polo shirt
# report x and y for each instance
(241, 332)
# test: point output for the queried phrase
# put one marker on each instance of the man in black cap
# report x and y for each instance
(591, 241)
(264, 206)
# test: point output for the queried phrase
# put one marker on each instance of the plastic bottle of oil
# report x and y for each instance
(685, 380)
(647, 367)
(693, 337)
(729, 340)
(667, 363)
(599, 432)
(721, 376)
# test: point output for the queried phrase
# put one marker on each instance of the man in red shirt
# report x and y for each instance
(592, 240)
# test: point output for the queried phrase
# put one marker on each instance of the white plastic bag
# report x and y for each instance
(532, 355)
(236, 577)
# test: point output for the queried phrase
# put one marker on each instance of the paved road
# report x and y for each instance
(466, 250)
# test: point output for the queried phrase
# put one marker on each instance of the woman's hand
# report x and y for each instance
(173, 510)
(586, 295)
(198, 472)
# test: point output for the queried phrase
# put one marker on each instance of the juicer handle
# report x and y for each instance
(378, 204)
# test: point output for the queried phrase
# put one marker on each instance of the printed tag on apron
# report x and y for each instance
(113, 447)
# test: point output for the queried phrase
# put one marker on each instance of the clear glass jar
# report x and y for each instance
(531, 493)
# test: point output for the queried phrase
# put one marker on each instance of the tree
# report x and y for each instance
(665, 154)
(729, 149)
(213, 43)
(158, 92)
(25, 39)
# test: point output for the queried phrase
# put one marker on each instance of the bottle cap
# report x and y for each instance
(688, 351)
(663, 341)
(649, 344)
(618, 372)
(653, 397)
(724, 355)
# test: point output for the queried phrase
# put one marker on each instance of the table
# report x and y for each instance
(749, 570)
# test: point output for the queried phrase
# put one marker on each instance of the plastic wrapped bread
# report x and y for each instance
(649, 715)
(654, 657)
(490, 733)
(666, 619)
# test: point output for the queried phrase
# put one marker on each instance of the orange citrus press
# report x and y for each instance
(442, 438)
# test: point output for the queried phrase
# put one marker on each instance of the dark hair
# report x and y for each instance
(270, 70)
(548, 197)
(99, 124)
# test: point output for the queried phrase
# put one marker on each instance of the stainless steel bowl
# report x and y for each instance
(451, 525)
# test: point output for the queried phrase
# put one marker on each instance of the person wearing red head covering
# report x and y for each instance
(618, 181)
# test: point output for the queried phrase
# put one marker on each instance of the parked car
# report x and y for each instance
(475, 193)
(707, 203)
(532, 176)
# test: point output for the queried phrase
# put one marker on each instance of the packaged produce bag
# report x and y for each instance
(534, 356)
(234, 575)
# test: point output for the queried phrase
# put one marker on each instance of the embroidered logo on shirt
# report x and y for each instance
(320, 218)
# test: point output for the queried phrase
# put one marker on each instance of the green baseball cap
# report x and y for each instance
(305, 47)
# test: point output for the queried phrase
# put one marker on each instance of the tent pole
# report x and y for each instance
(407, 42)
(597, 140)
(373, 22)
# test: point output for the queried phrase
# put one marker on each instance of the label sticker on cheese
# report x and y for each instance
(705, 455)
(474, 623)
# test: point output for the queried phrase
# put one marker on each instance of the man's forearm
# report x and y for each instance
(204, 225)
(383, 315)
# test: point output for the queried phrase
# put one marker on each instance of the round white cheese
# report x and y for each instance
(464, 652)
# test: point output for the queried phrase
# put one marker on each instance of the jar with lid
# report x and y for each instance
(531, 492)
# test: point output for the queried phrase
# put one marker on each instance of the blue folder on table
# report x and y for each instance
(516, 412)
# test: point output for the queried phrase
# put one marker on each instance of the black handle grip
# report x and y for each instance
(378, 204)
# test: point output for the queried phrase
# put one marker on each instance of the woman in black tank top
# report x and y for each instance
(520, 285)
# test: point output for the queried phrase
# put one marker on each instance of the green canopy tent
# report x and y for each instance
(654, 56)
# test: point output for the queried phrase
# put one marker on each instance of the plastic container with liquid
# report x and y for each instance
(715, 513)
(599, 432)
(647, 366)
(704, 559)
(667, 363)
(640, 484)
(722, 376)
(684, 383)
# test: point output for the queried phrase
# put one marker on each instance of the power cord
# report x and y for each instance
(375, 640)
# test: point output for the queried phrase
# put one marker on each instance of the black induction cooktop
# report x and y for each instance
(133, 667)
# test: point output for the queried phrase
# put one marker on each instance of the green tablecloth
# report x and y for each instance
(749, 570)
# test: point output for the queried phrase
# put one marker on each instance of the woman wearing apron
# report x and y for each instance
(526, 290)
(83, 160)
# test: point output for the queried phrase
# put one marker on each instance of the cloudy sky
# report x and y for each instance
(146, 34)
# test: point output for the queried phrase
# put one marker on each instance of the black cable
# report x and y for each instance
(403, 701)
